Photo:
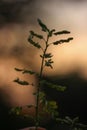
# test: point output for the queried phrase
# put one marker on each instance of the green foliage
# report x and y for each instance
(36, 35)
(24, 71)
(62, 41)
(51, 107)
(45, 83)
(43, 26)
(21, 82)
(36, 44)
(48, 55)
(72, 123)
(16, 110)
(62, 32)
(46, 61)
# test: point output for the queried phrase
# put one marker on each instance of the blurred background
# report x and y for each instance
(17, 18)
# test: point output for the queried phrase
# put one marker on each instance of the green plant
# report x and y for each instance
(46, 61)
(73, 123)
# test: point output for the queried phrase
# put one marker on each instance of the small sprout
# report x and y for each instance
(49, 107)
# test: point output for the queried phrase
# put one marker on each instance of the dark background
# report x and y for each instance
(72, 103)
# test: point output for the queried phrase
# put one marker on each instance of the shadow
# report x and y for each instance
(73, 101)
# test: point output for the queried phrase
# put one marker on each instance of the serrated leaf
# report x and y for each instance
(48, 64)
(63, 41)
(34, 43)
(28, 72)
(48, 55)
(36, 35)
(43, 26)
(51, 85)
(24, 71)
(21, 82)
(62, 32)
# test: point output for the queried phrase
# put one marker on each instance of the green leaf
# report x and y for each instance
(69, 119)
(48, 63)
(62, 32)
(51, 107)
(21, 82)
(28, 72)
(51, 32)
(65, 121)
(16, 110)
(24, 71)
(59, 88)
(76, 119)
(36, 35)
(62, 41)
(41, 96)
(52, 85)
(52, 104)
(82, 125)
(48, 55)
(17, 69)
(43, 26)
(41, 56)
(34, 43)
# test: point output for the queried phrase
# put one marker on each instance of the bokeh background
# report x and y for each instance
(17, 18)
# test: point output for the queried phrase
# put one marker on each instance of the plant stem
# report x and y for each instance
(38, 87)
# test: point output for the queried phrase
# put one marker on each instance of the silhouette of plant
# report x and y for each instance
(46, 61)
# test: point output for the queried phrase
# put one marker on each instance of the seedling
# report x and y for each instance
(46, 61)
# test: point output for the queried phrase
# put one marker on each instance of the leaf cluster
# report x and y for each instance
(73, 123)
(21, 82)
(45, 83)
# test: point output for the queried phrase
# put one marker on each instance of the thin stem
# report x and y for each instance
(38, 88)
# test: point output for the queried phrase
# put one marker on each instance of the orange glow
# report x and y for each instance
(12, 93)
(15, 50)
